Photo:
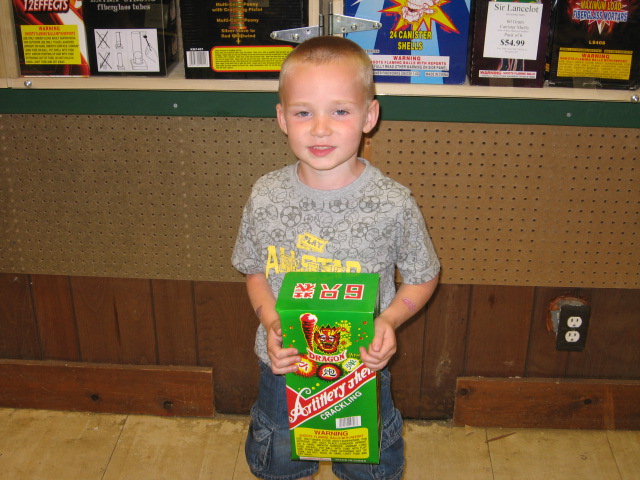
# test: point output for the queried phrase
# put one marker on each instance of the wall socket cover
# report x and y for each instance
(573, 323)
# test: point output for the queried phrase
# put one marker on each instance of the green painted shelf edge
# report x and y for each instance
(261, 105)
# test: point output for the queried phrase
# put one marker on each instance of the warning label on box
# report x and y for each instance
(51, 44)
(249, 59)
(594, 63)
(318, 443)
(410, 62)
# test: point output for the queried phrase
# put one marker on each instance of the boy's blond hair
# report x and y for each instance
(325, 49)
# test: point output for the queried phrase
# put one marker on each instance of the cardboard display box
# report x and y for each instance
(333, 398)
(509, 43)
(231, 38)
(595, 44)
(421, 41)
(131, 37)
(51, 37)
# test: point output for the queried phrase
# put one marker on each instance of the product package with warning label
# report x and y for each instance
(51, 37)
(420, 41)
(333, 397)
(509, 43)
(595, 44)
(132, 37)
(232, 38)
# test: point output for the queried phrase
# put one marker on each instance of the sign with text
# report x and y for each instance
(513, 30)
(509, 43)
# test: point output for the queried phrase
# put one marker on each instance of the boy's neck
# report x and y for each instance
(333, 179)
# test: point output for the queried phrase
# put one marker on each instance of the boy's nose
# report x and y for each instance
(321, 126)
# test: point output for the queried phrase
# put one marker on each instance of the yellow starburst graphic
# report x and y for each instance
(418, 12)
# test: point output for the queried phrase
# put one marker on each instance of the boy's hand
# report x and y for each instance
(408, 301)
(383, 346)
(283, 360)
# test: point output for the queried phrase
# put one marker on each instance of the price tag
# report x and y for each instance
(513, 30)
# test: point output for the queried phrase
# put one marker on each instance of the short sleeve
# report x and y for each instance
(417, 259)
(245, 257)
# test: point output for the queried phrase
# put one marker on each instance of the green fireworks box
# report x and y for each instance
(333, 398)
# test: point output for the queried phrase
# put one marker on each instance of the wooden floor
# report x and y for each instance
(42, 445)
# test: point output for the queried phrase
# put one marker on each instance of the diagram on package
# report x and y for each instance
(127, 50)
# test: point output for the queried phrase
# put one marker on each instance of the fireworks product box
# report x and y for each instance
(131, 37)
(333, 398)
(51, 37)
(595, 44)
(421, 41)
(231, 39)
(509, 43)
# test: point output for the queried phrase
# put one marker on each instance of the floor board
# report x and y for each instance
(625, 446)
(197, 449)
(40, 444)
(440, 452)
(48, 445)
(532, 454)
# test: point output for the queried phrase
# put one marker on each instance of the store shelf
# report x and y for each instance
(257, 99)
(175, 95)
(175, 81)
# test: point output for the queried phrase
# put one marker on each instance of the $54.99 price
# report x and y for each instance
(511, 43)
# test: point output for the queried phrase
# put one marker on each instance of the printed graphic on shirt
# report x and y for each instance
(372, 226)
(279, 260)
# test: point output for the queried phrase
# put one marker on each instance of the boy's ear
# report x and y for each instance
(282, 123)
(372, 116)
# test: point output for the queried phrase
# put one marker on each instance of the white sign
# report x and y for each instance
(513, 30)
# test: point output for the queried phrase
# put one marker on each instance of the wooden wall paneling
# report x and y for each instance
(613, 341)
(547, 403)
(444, 344)
(18, 328)
(175, 322)
(148, 389)
(115, 320)
(498, 333)
(407, 365)
(543, 360)
(53, 305)
(226, 327)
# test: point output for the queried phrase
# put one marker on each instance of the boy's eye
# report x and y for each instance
(341, 112)
(302, 114)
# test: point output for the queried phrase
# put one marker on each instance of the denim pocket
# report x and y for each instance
(259, 440)
(391, 430)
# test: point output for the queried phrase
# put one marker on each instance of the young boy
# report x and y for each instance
(367, 223)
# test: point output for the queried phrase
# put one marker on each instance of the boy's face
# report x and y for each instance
(324, 112)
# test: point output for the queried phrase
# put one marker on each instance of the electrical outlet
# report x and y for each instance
(572, 327)
(574, 322)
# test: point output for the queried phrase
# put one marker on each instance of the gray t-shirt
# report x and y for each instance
(372, 225)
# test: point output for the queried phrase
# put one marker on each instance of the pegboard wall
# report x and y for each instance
(523, 205)
(161, 197)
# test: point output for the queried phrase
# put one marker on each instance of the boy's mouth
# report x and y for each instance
(321, 150)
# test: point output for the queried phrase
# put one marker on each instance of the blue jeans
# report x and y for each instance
(268, 445)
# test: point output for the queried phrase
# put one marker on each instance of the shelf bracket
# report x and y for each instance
(329, 24)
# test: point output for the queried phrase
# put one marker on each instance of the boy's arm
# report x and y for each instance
(283, 360)
(408, 300)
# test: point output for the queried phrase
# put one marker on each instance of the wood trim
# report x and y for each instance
(227, 326)
(115, 320)
(18, 327)
(499, 326)
(547, 403)
(55, 317)
(105, 388)
(175, 322)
